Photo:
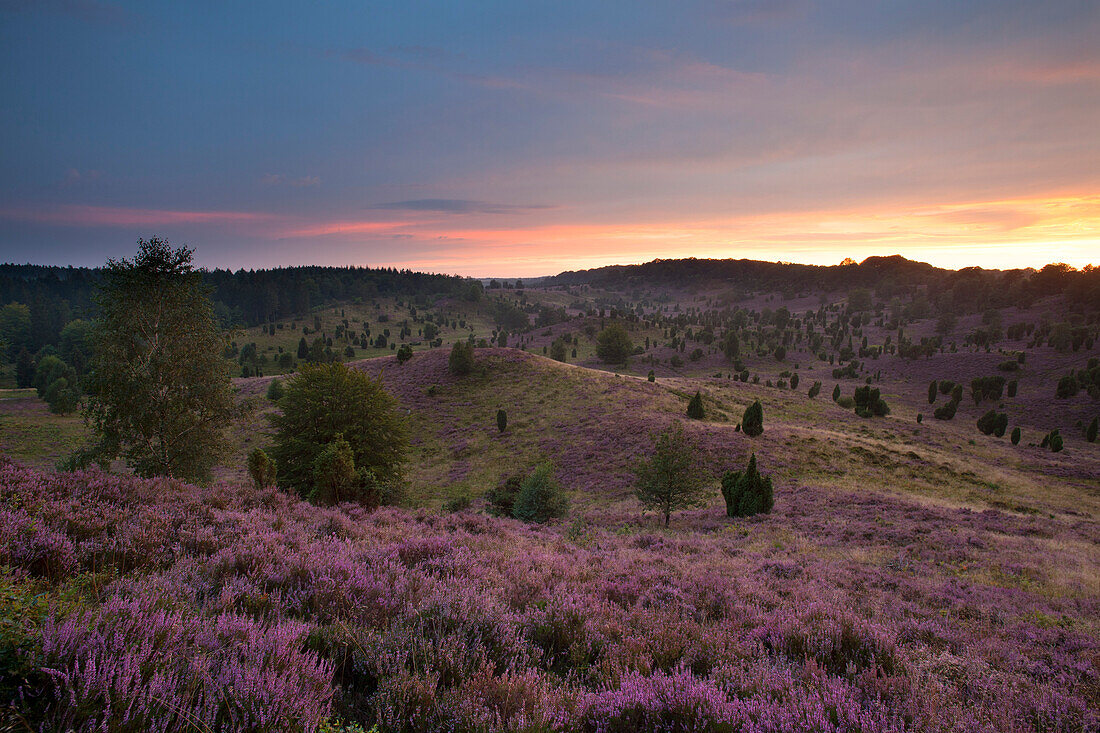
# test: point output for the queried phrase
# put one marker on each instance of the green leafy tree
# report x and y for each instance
(502, 420)
(558, 350)
(336, 479)
(261, 468)
(323, 401)
(62, 397)
(731, 347)
(461, 360)
(540, 497)
(747, 492)
(695, 407)
(670, 478)
(24, 369)
(752, 422)
(613, 345)
(158, 384)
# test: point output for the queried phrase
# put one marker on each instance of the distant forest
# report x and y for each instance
(967, 290)
(53, 296)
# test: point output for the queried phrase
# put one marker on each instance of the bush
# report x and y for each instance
(946, 386)
(846, 402)
(1016, 435)
(261, 468)
(1012, 387)
(336, 479)
(1067, 387)
(752, 422)
(933, 389)
(1090, 432)
(920, 418)
(747, 492)
(502, 497)
(651, 377)
(946, 412)
(461, 360)
(815, 390)
(695, 407)
(62, 397)
(404, 353)
(993, 423)
(324, 401)
(502, 420)
(836, 393)
(540, 497)
(987, 388)
(613, 345)
(794, 381)
(457, 504)
(869, 403)
(275, 390)
(780, 353)
(1052, 440)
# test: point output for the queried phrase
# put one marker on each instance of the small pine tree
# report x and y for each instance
(670, 479)
(933, 389)
(540, 497)
(261, 468)
(1090, 432)
(502, 420)
(695, 407)
(836, 393)
(747, 492)
(815, 389)
(1016, 435)
(752, 422)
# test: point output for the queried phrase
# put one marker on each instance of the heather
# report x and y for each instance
(168, 606)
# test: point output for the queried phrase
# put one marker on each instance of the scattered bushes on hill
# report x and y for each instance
(326, 401)
(670, 479)
(461, 360)
(540, 498)
(869, 402)
(747, 492)
(695, 407)
(987, 388)
(752, 421)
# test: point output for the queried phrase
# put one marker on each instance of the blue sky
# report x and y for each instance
(528, 138)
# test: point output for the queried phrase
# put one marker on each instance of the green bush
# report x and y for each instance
(62, 397)
(946, 412)
(502, 420)
(540, 497)
(461, 360)
(933, 389)
(652, 377)
(815, 390)
(794, 381)
(1067, 387)
(613, 345)
(836, 393)
(669, 479)
(261, 468)
(1016, 435)
(275, 390)
(946, 386)
(846, 402)
(1012, 387)
(993, 423)
(752, 422)
(1090, 432)
(404, 353)
(869, 403)
(502, 497)
(457, 503)
(695, 407)
(920, 418)
(747, 492)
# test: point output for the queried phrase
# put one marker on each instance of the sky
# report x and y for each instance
(528, 138)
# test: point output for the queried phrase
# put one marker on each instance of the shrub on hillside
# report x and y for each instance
(275, 390)
(946, 386)
(540, 497)
(651, 376)
(993, 423)
(986, 388)
(1090, 432)
(261, 469)
(752, 422)
(404, 353)
(933, 389)
(794, 381)
(815, 390)
(836, 393)
(336, 478)
(747, 492)
(695, 407)
(461, 360)
(613, 345)
(947, 411)
(323, 401)
(502, 497)
(502, 420)
(1012, 387)
(670, 479)
(869, 402)
(1067, 387)
(1052, 440)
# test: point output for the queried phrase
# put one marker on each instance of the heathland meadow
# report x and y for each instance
(926, 441)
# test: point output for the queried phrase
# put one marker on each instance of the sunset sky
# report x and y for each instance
(526, 138)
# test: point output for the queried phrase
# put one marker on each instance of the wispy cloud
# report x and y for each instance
(117, 216)
(280, 179)
(461, 206)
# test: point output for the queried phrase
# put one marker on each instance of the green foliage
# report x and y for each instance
(815, 390)
(869, 403)
(920, 418)
(1090, 432)
(502, 420)
(780, 353)
(23, 610)
(326, 401)
(947, 411)
(24, 369)
(1016, 435)
(933, 389)
(261, 468)
(275, 390)
(747, 492)
(695, 407)
(461, 360)
(61, 397)
(336, 479)
(987, 388)
(1067, 387)
(613, 344)
(159, 390)
(502, 497)
(540, 498)
(836, 393)
(731, 347)
(651, 376)
(1052, 440)
(752, 421)
(993, 423)
(558, 350)
(794, 381)
(404, 353)
(670, 479)
(457, 503)
(1012, 387)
